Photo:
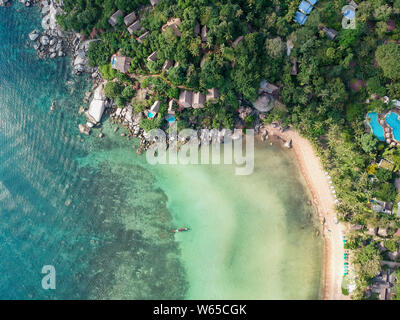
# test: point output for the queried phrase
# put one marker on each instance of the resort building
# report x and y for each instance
(171, 106)
(186, 98)
(203, 60)
(120, 63)
(330, 33)
(134, 26)
(198, 100)
(174, 25)
(264, 103)
(154, 2)
(155, 107)
(197, 29)
(266, 87)
(153, 110)
(143, 36)
(381, 206)
(130, 18)
(237, 41)
(382, 286)
(152, 57)
(304, 10)
(113, 21)
(204, 34)
(212, 95)
(167, 65)
(294, 70)
(386, 164)
(300, 18)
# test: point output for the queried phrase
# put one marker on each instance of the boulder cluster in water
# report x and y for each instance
(53, 42)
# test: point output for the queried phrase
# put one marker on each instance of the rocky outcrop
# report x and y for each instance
(80, 58)
(5, 3)
(97, 106)
(27, 3)
(52, 42)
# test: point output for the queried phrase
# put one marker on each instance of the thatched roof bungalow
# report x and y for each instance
(212, 95)
(198, 100)
(130, 18)
(113, 21)
(134, 26)
(121, 63)
(186, 98)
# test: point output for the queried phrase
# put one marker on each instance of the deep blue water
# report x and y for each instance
(95, 253)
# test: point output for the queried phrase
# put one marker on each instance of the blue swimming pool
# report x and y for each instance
(171, 119)
(392, 119)
(377, 129)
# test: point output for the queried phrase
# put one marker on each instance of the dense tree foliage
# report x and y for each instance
(325, 101)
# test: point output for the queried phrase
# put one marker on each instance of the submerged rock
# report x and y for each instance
(83, 129)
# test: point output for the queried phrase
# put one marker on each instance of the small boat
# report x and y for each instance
(180, 230)
(53, 105)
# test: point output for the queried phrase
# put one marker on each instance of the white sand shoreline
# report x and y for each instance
(324, 202)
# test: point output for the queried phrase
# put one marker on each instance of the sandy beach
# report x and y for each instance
(324, 202)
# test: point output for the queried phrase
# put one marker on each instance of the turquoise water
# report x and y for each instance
(55, 211)
(392, 119)
(377, 129)
(150, 114)
(102, 216)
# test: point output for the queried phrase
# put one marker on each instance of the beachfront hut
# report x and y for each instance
(212, 95)
(300, 18)
(114, 18)
(152, 57)
(198, 100)
(121, 63)
(186, 98)
(134, 26)
(130, 18)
